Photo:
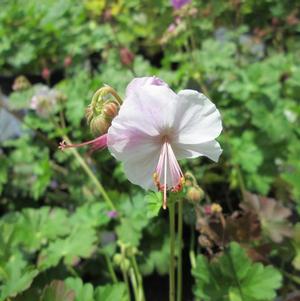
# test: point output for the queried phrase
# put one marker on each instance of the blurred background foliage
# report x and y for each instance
(58, 239)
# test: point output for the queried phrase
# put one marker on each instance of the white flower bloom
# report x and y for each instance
(156, 127)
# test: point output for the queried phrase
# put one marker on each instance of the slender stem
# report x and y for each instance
(139, 278)
(172, 251)
(192, 246)
(134, 284)
(125, 278)
(179, 272)
(92, 176)
(110, 268)
(241, 182)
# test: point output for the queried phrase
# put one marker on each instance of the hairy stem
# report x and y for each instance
(91, 175)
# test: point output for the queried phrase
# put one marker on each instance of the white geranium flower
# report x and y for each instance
(156, 127)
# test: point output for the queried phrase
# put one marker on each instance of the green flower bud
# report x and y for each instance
(195, 194)
(117, 259)
(103, 109)
(125, 265)
(99, 125)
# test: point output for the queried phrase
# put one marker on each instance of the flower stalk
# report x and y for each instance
(91, 175)
(180, 245)
(171, 206)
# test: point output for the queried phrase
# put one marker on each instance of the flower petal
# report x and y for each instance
(138, 82)
(138, 151)
(149, 109)
(210, 149)
(197, 117)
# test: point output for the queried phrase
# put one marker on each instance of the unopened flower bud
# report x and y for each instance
(67, 61)
(110, 110)
(125, 264)
(104, 107)
(195, 194)
(46, 73)
(117, 259)
(213, 209)
(216, 208)
(21, 83)
(126, 56)
(131, 251)
(99, 125)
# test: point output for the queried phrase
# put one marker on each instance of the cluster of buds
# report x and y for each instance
(194, 192)
(104, 107)
(214, 208)
(21, 83)
(122, 259)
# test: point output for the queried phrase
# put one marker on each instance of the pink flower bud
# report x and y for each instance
(67, 61)
(126, 56)
(171, 28)
(46, 73)
(110, 110)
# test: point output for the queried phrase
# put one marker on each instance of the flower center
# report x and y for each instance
(168, 174)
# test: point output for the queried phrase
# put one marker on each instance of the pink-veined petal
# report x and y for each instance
(139, 82)
(138, 151)
(150, 109)
(210, 149)
(198, 119)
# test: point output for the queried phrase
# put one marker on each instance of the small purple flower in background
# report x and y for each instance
(171, 28)
(44, 101)
(177, 4)
(112, 214)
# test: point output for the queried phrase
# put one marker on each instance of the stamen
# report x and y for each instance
(167, 163)
(165, 181)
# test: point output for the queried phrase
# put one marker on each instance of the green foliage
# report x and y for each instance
(86, 292)
(134, 221)
(16, 276)
(57, 291)
(54, 222)
(154, 201)
(80, 244)
(234, 277)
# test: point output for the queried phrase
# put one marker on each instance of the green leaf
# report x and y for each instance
(36, 227)
(80, 244)
(234, 277)
(154, 202)
(134, 221)
(83, 292)
(157, 259)
(111, 292)
(57, 291)
(90, 215)
(16, 276)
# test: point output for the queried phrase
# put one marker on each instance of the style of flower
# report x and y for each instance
(177, 4)
(156, 127)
